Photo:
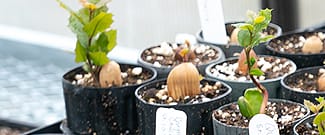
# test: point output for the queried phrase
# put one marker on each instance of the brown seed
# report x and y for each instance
(110, 74)
(242, 65)
(313, 44)
(233, 37)
(321, 83)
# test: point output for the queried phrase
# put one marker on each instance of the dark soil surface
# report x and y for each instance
(130, 76)
(164, 54)
(305, 82)
(10, 131)
(307, 129)
(159, 95)
(271, 66)
(293, 44)
(283, 113)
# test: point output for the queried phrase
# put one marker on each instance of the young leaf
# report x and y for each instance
(111, 39)
(266, 38)
(252, 61)
(319, 120)
(99, 58)
(243, 38)
(256, 72)
(99, 24)
(80, 53)
(250, 104)
(319, 99)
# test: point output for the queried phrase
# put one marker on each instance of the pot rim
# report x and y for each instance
(273, 100)
(200, 38)
(208, 73)
(296, 72)
(147, 64)
(300, 122)
(289, 35)
(79, 68)
(181, 105)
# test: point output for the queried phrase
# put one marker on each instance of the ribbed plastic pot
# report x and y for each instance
(238, 87)
(198, 115)
(220, 128)
(108, 111)
(163, 71)
(299, 96)
(302, 60)
(230, 50)
(309, 119)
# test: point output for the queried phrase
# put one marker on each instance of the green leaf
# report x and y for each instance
(266, 38)
(252, 61)
(99, 24)
(98, 58)
(256, 72)
(311, 106)
(77, 27)
(80, 53)
(250, 104)
(319, 120)
(319, 99)
(247, 26)
(111, 39)
(244, 38)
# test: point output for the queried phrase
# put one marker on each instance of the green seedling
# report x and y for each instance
(249, 36)
(95, 38)
(318, 109)
(320, 122)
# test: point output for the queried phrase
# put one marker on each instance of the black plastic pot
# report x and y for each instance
(52, 129)
(238, 87)
(198, 115)
(16, 125)
(299, 96)
(220, 128)
(101, 110)
(162, 71)
(230, 50)
(302, 60)
(304, 122)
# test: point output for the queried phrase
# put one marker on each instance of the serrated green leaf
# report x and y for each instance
(111, 39)
(101, 43)
(77, 27)
(98, 58)
(266, 38)
(244, 38)
(311, 106)
(256, 72)
(247, 26)
(250, 104)
(319, 120)
(319, 99)
(99, 24)
(80, 53)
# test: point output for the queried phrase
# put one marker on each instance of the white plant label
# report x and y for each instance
(262, 124)
(170, 122)
(212, 21)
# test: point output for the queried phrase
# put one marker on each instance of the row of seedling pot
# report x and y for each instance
(165, 93)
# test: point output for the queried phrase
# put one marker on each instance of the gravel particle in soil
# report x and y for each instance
(159, 95)
(295, 43)
(164, 54)
(284, 115)
(271, 66)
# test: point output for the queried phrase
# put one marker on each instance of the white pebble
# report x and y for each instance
(321, 35)
(302, 39)
(78, 76)
(124, 74)
(148, 58)
(137, 71)
(266, 66)
(160, 58)
(139, 81)
(156, 64)
(310, 76)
